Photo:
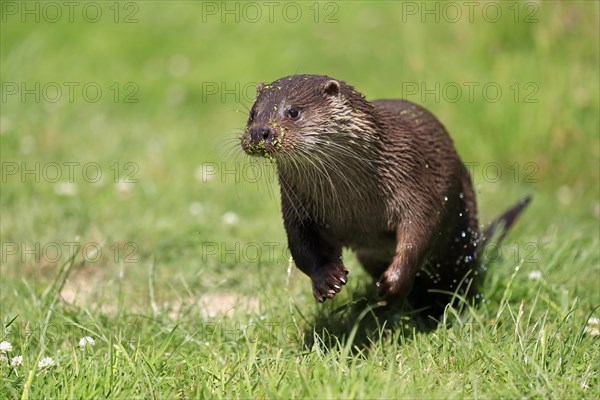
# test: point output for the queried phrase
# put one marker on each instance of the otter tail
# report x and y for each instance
(502, 224)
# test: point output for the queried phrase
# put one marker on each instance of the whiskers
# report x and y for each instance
(332, 176)
(245, 169)
(230, 147)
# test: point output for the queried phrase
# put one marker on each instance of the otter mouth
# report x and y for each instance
(261, 142)
(258, 149)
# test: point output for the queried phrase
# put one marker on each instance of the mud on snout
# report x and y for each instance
(263, 141)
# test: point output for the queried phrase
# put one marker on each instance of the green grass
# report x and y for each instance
(178, 311)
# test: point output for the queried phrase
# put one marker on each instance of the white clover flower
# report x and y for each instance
(68, 189)
(86, 341)
(124, 186)
(230, 218)
(535, 275)
(45, 364)
(5, 347)
(16, 361)
(196, 208)
(593, 326)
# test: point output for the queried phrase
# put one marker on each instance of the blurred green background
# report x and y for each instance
(161, 89)
(176, 79)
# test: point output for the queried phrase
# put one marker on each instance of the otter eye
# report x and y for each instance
(293, 113)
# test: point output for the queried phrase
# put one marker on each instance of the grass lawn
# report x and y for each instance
(129, 217)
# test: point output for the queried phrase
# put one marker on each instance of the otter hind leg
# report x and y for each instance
(451, 270)
(411, 248)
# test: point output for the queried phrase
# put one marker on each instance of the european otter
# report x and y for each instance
(382, 178)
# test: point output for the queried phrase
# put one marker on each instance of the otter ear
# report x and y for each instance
(332, 88)
(259, 88)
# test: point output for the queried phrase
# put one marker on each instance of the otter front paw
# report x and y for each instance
(328, 280)
(391, 287)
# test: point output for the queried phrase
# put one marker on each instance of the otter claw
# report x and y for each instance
(328, 281)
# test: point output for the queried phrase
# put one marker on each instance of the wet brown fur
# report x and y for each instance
(381, 177)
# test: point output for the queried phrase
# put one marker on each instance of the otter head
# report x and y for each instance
(295, 113)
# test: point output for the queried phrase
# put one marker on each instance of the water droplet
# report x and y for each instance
(463, 234)
(445, 198)
(461, 195)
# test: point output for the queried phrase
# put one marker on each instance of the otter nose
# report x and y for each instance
(260, 134)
